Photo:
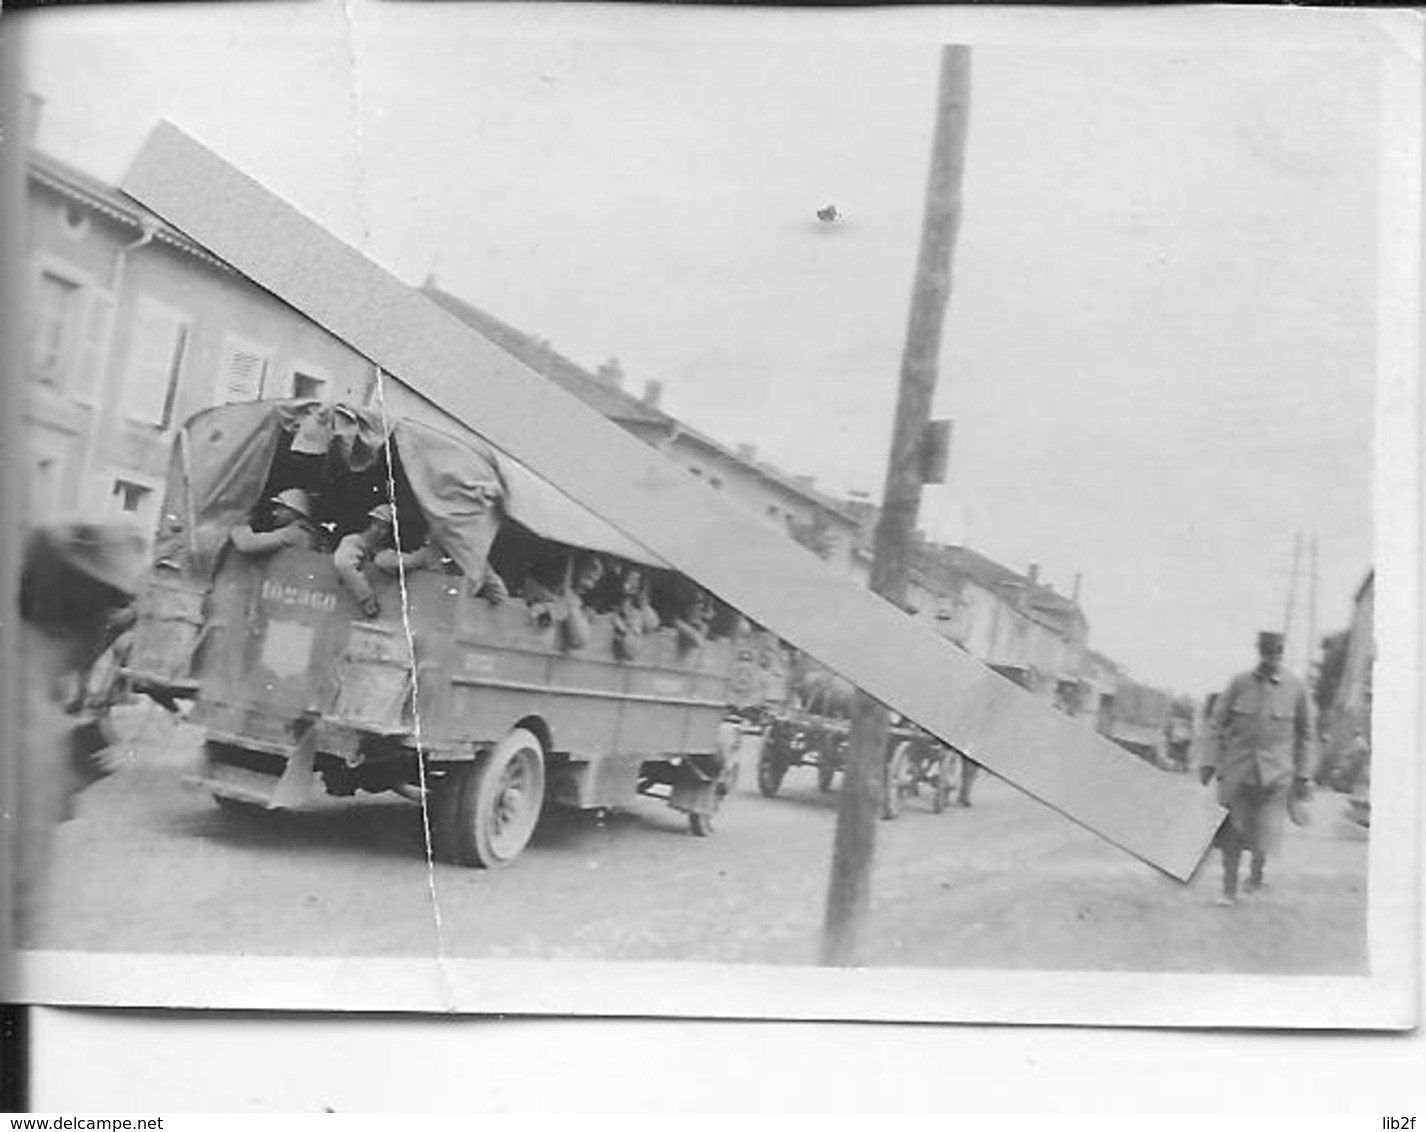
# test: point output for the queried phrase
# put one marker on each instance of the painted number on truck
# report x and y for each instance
(283, 594)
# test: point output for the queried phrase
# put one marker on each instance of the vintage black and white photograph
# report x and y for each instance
(775, 514)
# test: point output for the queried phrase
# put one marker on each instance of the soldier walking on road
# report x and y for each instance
(1261, 728)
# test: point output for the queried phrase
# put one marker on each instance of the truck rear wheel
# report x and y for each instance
(496, 802)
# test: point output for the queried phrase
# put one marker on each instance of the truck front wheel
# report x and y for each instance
(496, 802)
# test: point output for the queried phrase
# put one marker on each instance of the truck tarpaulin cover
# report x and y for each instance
(222, 458)
(443, 469)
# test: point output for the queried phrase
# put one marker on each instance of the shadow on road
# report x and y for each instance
(375, 828)
(386, 826)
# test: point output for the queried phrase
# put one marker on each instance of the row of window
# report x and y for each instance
(67, 341)
(697, 472)
(776, 514)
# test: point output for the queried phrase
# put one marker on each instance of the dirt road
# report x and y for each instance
(151, 865)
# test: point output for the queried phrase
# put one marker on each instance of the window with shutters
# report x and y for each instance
(156, 352)
(56, 326)
(243, 372)
(92, 367)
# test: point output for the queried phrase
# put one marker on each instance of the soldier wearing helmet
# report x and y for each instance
(357, 549)
(292, 525)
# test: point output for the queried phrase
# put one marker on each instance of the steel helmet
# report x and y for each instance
(297, 499)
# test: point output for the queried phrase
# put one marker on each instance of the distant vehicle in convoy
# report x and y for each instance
(812, 727)
(484, 709)
(1137, 718)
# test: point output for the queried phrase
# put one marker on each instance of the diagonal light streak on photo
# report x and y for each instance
(1166, 820)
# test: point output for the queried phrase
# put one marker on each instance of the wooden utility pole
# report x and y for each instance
(849, 894)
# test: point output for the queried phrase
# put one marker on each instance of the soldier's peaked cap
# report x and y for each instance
(1270, 639)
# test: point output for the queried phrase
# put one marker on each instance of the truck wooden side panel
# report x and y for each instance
(285, 647)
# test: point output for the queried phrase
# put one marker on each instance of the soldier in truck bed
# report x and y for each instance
(430, 556)
(291, 525)
(358, 548)
(557, 591)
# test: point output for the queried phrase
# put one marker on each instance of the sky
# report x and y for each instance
(1161, 343)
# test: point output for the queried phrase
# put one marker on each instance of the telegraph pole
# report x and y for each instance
(849, 893)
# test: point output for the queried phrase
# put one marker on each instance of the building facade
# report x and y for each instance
(1349, 715)
(132, 328)
(789, 502)
(1013, 622)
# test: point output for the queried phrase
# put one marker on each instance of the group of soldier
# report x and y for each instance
(564, 593)
(292, 523)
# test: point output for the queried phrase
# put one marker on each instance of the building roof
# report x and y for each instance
(992, 575)
(984, 571)
(1056, 604)
(603, 396)
(101, 197)
(1098, 659)
(606, 397)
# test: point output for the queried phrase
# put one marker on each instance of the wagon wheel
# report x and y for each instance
(897, 782)
(497, 802)
(947, 779)
(771, 771)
